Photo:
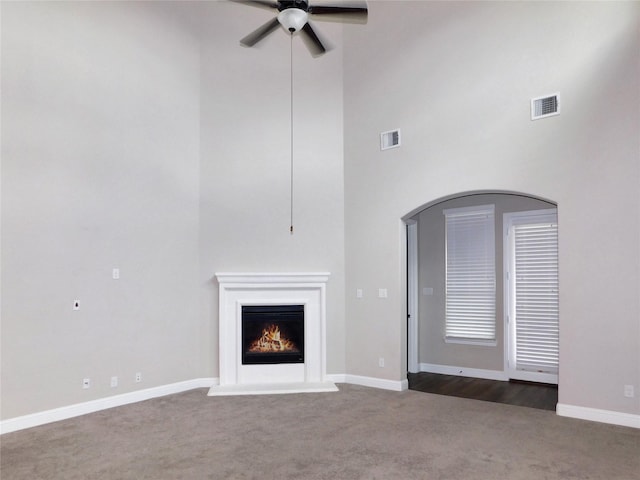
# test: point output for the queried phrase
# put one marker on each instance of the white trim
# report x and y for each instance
(510, 219)
(412, 296)
(539, 377)
(545, 215)
(271, 388)
(383, 384)
(488, 209)
(239, 289)
(248, 279)
(464, 371)
(70, 411)
(598, 415)
(506, 292)
(471, 341)
(470, 240)
(336, 377)
(63, 413)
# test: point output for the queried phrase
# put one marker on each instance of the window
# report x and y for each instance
(470, 310)
(531, 262)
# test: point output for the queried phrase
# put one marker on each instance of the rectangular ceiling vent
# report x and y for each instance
(390, 139)
(547, 106)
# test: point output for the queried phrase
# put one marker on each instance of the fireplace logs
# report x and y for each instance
(272, 334)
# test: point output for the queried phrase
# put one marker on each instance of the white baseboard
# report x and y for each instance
(62, 413)
(272, 388)
(597, 415)
(564, 410)
(336, 377)
(76, 410)
(464, 371)
(395, 385)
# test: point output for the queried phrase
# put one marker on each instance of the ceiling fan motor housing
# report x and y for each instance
(300, 4)
(293, 19)
(293, 16)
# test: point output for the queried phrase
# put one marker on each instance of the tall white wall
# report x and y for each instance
(140, 135)
(100, 151)
(245, 164)
(457, 78)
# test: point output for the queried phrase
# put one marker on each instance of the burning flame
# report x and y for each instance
(272, 341)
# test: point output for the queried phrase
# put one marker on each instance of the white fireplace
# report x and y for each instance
(237, 290)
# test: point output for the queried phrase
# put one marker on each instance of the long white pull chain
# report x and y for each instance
(291, 119)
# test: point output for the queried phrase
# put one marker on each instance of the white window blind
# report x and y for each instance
(536, 297)
(470, 273)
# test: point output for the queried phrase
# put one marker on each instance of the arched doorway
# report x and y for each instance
(446, 334)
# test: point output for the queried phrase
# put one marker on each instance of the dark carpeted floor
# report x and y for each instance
(357, 433)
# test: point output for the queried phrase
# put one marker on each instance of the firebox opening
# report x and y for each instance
(272, 334)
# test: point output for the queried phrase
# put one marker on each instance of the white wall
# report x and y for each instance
(457, 79)
(141, 135)
(100, 105)
(131, 139)
(245, 164)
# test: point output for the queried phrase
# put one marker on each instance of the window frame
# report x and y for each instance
(510, 220)
(487, 303)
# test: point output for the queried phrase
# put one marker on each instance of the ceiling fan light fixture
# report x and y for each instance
(293, 19)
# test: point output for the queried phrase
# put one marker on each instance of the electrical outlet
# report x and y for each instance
(138, 377)
(115, 273)
(86, 383)
(76, 304)
(114, 382)
(628, 391)
(382, 293)
(381, 362)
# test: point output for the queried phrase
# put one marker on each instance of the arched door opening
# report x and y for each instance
(482, 306)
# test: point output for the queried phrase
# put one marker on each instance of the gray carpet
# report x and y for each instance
(357, 433)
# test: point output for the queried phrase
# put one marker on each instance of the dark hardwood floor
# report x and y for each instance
(524, 394)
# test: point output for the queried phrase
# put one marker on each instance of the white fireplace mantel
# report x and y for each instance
(239, 289)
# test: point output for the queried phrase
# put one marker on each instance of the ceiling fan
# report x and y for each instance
(293, 16)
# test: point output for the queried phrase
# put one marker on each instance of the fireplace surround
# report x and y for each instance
(271, 292)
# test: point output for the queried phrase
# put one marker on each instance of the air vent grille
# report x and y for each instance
(390, 139)
(546, 106)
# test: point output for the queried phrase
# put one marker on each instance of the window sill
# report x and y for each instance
(471, 341)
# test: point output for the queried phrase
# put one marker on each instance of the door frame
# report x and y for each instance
(508, 220)
(413, 363)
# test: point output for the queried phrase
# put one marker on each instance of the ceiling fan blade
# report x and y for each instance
(266, 4)
(349, 12)
(259, 33)
(313, 41)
